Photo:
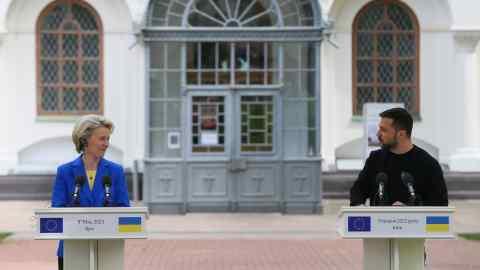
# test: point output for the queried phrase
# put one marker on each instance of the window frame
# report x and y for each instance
(392, 59)
(80, 84)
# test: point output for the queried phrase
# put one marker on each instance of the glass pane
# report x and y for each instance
(292, 55)
(399, 16)
(385, 72)
(70, 99)
(91, 100)
(90, 72)
(70, 72)
(157, 53)
(257, 55)
(207, 77)
(90, 46)
(224, 56)
(406, 45)
(50, 99)
(364, 95)
(157, 114)
(157, 143)
(307, 84)
(308, 55)
(192, 77)
(257, 77)
(157, 83)
(84, 18)
(70, 45)
(406, 95)
(53, 20)
(256, 123)
(241, 59)
(173, 84)
(49, 71)
(174, 114)
(219, 13)
(192, 55)
(406, 72)
(385, 45)
(371, 16)
(173, 55)
(49, 45)
(292, 83)
(385, 94)
(208, 55)
(208, 132)
(364, 44)
(364, 71)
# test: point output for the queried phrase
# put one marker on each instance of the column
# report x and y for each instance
(467, 158)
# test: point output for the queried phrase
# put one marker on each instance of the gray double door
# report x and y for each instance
(233, 150)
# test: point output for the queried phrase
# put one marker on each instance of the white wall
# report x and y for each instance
(440, 103)
(123, 82)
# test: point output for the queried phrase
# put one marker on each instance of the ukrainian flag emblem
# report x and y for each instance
(129, 224)
(437, 224)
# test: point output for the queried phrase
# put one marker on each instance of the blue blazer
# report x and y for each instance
(65, 184)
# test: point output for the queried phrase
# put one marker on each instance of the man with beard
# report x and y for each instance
(399, 156)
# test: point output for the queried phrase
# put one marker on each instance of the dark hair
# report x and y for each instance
(401, 119)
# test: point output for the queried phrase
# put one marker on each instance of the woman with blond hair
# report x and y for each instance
(89, 180)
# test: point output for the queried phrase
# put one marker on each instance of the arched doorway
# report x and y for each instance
(233, 106)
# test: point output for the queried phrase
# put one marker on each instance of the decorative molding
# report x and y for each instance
(466, 40)
(233, 34)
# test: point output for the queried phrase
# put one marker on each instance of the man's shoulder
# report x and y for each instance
(425, 157)
(377, 153)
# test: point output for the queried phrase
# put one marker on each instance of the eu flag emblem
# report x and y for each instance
(51, 225)
(359, 224)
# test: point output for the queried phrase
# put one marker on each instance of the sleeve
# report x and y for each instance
(359, 191)
(121, 199)
(436, 190)
(60, 191)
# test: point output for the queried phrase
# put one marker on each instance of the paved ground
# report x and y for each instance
(236, 241)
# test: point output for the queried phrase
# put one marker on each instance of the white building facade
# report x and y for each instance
(61, 59)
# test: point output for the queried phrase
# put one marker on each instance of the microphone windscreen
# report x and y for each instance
(79, 180)
(407, 178)
(107, 181)
(381, 178)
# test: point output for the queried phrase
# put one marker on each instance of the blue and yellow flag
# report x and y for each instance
(129, 224)
(437, 224)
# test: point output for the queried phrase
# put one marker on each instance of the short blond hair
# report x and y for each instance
(84, 127)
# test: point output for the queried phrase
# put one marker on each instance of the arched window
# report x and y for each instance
(69, 59)
(385, 56)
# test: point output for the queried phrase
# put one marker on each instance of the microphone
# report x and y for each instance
(408, 181)
(381, 179)
(79, 181)
(107, 183)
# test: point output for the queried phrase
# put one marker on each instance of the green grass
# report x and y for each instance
(470, 236)
(4, 235)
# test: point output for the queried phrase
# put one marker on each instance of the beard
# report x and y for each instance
(388, 145)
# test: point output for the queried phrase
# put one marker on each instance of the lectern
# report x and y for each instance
(94, 236)
(394, 237)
